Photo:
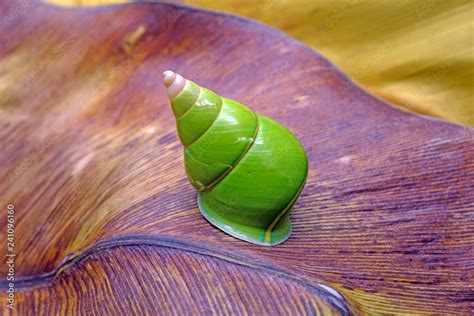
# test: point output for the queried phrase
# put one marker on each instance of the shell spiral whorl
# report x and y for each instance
(249, 170)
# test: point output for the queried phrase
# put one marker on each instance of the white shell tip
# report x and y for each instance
(168, 77)
(174, 83)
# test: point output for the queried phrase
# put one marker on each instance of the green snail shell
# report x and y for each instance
(249, 170)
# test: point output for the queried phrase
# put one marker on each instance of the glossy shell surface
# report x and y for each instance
(249, 170)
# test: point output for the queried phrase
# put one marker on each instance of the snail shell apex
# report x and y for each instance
(249, 170)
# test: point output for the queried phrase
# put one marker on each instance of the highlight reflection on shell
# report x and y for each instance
(249, 170)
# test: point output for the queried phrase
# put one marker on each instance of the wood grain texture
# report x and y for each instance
(91, 160)
(165, 281)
